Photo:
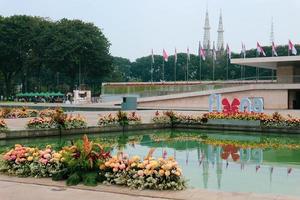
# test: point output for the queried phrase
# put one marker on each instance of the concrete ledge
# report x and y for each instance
(233, 122)
(248, 129)
(30, 133)
(106, 129)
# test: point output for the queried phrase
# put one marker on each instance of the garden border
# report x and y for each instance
(30, 133)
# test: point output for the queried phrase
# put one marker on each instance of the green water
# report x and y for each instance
(267, 170)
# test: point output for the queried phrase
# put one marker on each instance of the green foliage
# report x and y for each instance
(34, 51)
(90, 178)
(74, 179)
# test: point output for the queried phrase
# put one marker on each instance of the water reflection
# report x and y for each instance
(228, 162)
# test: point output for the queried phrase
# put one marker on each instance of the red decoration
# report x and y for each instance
(230, 108)
(230, 150)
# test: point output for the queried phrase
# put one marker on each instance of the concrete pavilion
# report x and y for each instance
(288, 76)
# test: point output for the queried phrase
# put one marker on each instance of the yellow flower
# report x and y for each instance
(154, 164)
(161, 172)
(177, 173)
(107, 164)
(135, 158)
(30, 158)
(102, 167)
(167, 173)
(141, 165)
(133, 165)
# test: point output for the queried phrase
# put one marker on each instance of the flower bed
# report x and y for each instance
(75, 122)
(173, 117)
(160, 174)
(87, 162)
(121, 118)
(3, 125)
(238, 115)
(11, 113)
(274, 120)
(57, 119)
(42, 123)
(25, 161)
(47, 112)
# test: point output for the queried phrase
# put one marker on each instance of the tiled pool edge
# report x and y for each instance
(29, 133)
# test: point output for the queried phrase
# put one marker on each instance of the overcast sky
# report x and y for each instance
(135, 26)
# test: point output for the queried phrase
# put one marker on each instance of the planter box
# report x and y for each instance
(234, 122)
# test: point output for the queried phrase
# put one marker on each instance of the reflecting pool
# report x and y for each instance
(226, 161)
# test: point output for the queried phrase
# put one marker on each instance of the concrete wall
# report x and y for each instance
(285, 74)
(273, 99)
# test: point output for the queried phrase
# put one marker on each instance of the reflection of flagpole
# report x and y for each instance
(174, 154)
(186, 154)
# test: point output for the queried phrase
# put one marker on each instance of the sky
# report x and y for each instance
(134, 27)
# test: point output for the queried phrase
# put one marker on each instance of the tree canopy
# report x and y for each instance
(38, 54)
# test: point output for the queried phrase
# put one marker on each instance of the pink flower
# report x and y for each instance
(122, 166)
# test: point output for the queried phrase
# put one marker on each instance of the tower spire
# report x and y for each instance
(206, 38)
(220, 42)
(272, 32)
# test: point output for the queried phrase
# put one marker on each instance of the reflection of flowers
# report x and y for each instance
(230, 150)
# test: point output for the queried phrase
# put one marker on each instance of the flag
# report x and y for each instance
(228, 51)
(188, 54)
(175, 56)
(152, 56)
(292, 48)
(260, 50)
(214, 52)
(243, 52)
(201, 52)
(274, 52)
(165, 55)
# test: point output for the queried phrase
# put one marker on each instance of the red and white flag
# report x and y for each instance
(175, 56)
(274, 52)
(260, 50)
(292, 48)
(228, 51)
(201, 52)
(165, 56)
(188, 54)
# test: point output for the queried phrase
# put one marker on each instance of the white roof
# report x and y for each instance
(267, 62)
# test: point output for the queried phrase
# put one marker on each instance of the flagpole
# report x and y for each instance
(200, 68)
(227, 67)
(151, 70)
(213, 68)
(175, 71)
(187, 68)
(163, 70)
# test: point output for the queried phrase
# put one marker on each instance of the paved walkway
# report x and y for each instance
(13, 188)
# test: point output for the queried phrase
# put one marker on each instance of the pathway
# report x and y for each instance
(13, 188)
